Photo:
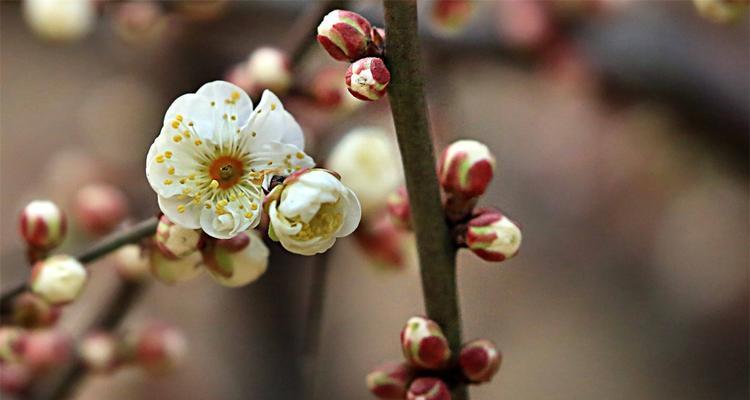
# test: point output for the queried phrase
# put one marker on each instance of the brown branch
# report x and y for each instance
(314, 323)
(437, 255)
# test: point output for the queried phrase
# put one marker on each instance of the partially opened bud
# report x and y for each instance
(345, 35)
(479, 360)
(131, 262)
(399, 208)
(424, 345)
(174, 271)
(493, 236)
(159, 348)
(428, 389)
(14, 378)
(100, 208)
(175, 241)
(31, 311)
(367, 79)
(58, 279)
(237, 261)
(466, 168)
(268, 68)
(390, 380)
(45, 349)
(43, 225)
(99, 351)
(721, 10)
(11, 344)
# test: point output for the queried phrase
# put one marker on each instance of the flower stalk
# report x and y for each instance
(437, 253)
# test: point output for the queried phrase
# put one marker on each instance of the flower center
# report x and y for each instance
(325, 223)
(226, 170)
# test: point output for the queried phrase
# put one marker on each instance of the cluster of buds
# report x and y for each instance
(156, 348)
(265, 68)
(465, 171)
(348, 36)
(42, 226)
(25, 354)
(428, 366)
(180, 254)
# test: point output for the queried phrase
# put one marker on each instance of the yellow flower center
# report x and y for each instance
(325, 223)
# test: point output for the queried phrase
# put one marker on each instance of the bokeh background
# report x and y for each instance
(621, 136)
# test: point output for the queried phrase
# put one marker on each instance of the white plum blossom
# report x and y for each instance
(310, 210)
(215, 154)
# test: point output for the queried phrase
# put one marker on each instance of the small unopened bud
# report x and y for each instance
(423, 344)
(721, 11)
(160, 348)
(14, 378)
(428, 389)
(268, 68)
(43, 225)
(367, 79)
(140, 21)
(449, 17)
(58, 279)
(330, 92)
(390, 380)
(493, 236)
(45, 349)
(174, 271)
(399, 208)
(466, 168)
(345, 35)
(99, 351)
(31, 311)
(131, 262)
(11, 344)
(479, 360)
(175, 241)
(62, 20)
(383, 243)
(237, 261)
(100, 208)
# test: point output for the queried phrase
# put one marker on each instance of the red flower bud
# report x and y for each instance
(345, 35)
(45, 349)
(390, 380)
(428, 389)
(31, 311)
(159, 348)
(479, 360)
(399, 208)
(43, 225)
(466, 168)
(451, 16)
(383, 243)
(367, 79)
(493, 236)
(100, 208)
(423, 344)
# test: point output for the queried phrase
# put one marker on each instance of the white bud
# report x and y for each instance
(60, 19)
(58, 279)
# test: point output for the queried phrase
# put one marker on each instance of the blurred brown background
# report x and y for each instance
(626, 164)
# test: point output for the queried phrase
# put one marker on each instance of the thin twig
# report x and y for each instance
(437, 255)
(314, 322)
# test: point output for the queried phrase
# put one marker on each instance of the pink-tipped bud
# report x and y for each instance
(399, 208)
(423, 344)
(171, 271)
(58, 279)
(390, 380)
(100, 208)
(14, 378)
(449, 17)
(175, 241)
(493, 236)
(479, 360)
(466, 168)
(43, 225)
(159, 348)
(131, 262)
(31, 311)
(46, 349)
(345, 35)
(100, 352)
(428, 389)
(367, 79)
(11, 344)
(237, 261)
(268, 68)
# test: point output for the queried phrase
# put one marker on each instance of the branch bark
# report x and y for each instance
(437, 255)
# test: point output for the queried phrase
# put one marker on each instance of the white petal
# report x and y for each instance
(189, 218)
(225, 226)
(278, 158)
(272, 123)
(165, 174)
(248, 265)
(191, 108)
(227, 99)
(352, 214)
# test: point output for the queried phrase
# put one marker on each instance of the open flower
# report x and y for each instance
(310, 210)
(215, 153)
